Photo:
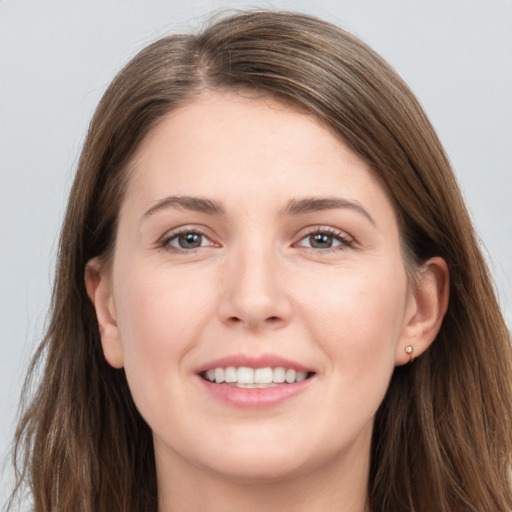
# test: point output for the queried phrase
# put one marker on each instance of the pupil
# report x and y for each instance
(320, 241)
(189, 241)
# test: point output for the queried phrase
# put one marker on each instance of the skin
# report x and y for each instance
(256, 285)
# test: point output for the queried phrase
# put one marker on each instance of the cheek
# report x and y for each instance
(160, 318)
(357, 320)
(157, 306)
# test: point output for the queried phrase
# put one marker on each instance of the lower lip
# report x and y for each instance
(255, 398)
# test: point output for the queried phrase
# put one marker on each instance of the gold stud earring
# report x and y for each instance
(409, 350)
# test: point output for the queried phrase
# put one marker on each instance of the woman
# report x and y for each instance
(269, 294)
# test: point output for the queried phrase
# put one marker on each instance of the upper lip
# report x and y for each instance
(260, 361)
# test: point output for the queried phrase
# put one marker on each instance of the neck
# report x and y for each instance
(341, 486)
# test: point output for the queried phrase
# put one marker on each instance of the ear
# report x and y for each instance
(426, 309)
(98, 285)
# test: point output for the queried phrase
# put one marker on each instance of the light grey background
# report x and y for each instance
(57, 57)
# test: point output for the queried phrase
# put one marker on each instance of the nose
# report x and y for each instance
(253, 292)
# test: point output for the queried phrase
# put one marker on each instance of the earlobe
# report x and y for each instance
(98, 287)
(429, 302)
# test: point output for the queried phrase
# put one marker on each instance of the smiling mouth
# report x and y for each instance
(257, 378)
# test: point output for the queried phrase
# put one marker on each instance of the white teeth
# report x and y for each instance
(230, 374)
(300, 376)
(246, 377)
(263, 376)
(290, 375)
(219, 375)
(279, 375)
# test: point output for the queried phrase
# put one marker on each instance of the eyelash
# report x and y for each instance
(344, 240)
(165, 242)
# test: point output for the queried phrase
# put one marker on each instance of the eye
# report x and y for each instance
(186, 240)
(325, 239)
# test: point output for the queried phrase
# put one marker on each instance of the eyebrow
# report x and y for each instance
(294, 207)
(196, 204)
(313, 204)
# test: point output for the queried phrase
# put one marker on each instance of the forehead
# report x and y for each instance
(232, 146)
(249, 136)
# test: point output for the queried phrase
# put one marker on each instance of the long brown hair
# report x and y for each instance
(443, 435)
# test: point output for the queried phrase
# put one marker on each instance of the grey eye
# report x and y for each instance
(321, 241)
(189, 240)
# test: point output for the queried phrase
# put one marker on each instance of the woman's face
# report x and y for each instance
(253, 246)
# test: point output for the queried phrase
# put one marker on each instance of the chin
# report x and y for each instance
(263, 461)
(262, 470)
(263, 456)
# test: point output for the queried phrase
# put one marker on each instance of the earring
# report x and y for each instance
(409, 350)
